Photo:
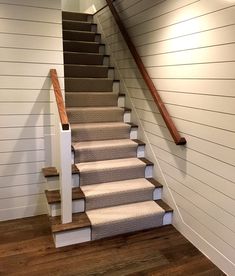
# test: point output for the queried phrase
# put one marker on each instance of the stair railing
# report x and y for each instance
(156, 97)
(65, 174)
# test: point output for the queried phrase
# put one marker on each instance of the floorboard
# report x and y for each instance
(26, 248)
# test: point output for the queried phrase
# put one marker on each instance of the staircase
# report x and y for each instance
(113, 189)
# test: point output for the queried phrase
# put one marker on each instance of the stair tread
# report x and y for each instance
(52, 171)
(94, 93)
(79, 220)
(77, 31)
(88, 65)
(124, 212)
(85, 53)
(94, 125)
(164, 206)
(109, 164)
(83, 42)
(104, 144)
(77, 21)
(116, 187)
(90, 79)
(106, 108)
(53, 196)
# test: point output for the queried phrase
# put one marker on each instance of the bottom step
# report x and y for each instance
(111, 221)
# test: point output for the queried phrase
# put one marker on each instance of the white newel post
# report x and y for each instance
(65, 175)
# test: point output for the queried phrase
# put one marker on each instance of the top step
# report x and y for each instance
(77, 16)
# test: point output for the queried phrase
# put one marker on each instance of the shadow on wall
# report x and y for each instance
(28, 155)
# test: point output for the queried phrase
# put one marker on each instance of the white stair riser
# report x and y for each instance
(84, 234)
(79, 205)
(121, 101)
(116, 86)
(134, 133)
(102, 49)
(52, 183)
(90, 18)
(149, 171)
(167, 219)
(127, 117)
(72, 237)
(94, 28)
(106, 61)
(97, 38)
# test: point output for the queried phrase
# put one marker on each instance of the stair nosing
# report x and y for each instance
(83, 42)
(146, 161)
(53, 172)
(164, 206)
(82, 22)
(77, 194)
(86, 53)
(77, 223)
(83, 32)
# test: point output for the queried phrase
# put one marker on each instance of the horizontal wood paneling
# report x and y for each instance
(21, 168)
(193, 71)
(22, 201)
(30, 45)
(29, 55)
(212, 87)
(10, 26)
(28, 82)
(22, 157)
(23, 190)
(24, 108)
(22, 145)
(20, 120)
(188, 48)
(26, 69)
(31, 42)
(23, 179)
(198, 222)
(26, 95)
(25, 13)
(210, 22)
(24, 133)
(52, 4)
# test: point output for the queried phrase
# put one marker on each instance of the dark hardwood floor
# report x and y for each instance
(26, 248)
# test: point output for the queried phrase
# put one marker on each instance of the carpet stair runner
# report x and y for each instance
(113, 189)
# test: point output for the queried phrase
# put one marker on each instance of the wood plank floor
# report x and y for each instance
(26, 248)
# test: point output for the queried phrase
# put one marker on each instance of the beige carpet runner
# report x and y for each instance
(118, 198)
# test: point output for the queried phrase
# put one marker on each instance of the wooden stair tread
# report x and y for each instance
(54, 195)
(52, 171)
(164, 206)
(132, 125)
(146, 161)
(139, 142)
(155, 182)
(79, 220)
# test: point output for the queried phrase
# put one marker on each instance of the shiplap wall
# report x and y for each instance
(30, 44)
(188, 47)
(88, 6)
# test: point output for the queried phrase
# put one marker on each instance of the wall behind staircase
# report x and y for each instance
(30, 44)
(188, 47)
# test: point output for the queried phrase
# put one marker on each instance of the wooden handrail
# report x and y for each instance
(157, 99)
(59, 100)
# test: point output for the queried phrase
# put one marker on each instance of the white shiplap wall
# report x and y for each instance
(30, 44)
(88, 6)
(188, 47)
